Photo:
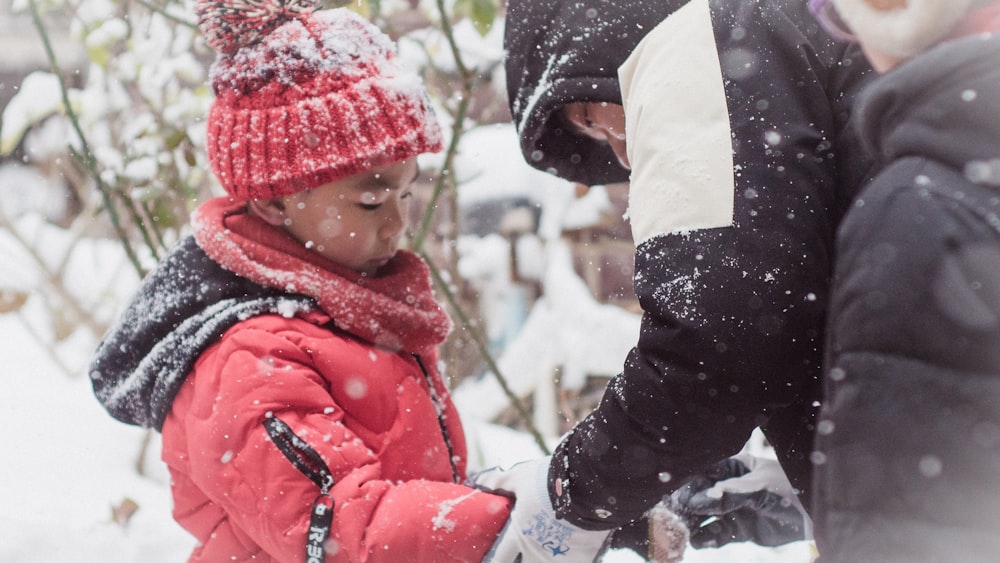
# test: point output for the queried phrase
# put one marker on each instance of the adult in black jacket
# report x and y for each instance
(909, 434)
(742, 164)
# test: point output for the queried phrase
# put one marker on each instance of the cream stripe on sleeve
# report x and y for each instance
(677, 128)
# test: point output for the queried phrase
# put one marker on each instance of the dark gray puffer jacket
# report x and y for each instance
(909, 438)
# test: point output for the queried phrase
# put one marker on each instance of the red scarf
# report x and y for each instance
(395, 309)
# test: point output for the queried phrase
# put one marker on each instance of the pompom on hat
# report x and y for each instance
(306, 96)
(904, 28)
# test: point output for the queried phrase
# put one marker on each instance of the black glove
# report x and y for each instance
(660, 536)
(633, 536)
(741, 499)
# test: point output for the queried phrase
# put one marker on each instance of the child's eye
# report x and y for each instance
(369, 201)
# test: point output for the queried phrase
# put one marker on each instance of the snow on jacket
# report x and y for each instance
(275, 375)
(910, 429)
(743, 163)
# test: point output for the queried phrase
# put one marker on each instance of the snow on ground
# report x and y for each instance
(67, 463)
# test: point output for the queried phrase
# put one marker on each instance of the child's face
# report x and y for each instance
(356, 221)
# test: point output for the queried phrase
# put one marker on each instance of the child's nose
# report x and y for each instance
(394, 221)
(618, 146)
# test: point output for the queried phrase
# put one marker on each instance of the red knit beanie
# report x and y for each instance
(304, 97)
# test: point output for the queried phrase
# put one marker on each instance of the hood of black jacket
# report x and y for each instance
(569, 51)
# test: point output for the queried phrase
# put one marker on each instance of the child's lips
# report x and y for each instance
(379, 262)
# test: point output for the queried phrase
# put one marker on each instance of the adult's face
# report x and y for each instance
(602, 122)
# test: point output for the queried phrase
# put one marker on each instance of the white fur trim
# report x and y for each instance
(903, 32)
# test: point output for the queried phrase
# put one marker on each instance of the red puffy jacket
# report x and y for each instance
(379, 419)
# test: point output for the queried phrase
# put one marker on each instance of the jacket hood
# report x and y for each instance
(907, 111)
(569, 51)
(182, 307)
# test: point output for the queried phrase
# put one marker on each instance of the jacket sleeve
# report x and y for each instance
(733, 303)
(722, 347)
(252, 375)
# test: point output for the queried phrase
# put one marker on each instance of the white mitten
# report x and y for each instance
(532, 532)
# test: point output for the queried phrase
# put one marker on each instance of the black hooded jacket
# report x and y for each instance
(734, 313)
(910, 430)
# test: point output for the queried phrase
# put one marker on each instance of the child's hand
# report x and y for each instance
(532, 532)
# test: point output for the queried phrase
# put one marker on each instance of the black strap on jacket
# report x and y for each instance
(309, 462)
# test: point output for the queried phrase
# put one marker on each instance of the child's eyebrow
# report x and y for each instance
(380, 181)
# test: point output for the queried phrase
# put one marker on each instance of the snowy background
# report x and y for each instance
(69, 465)
(70, 471)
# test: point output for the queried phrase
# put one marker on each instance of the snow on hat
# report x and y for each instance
(907, 29)
(304, 97)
